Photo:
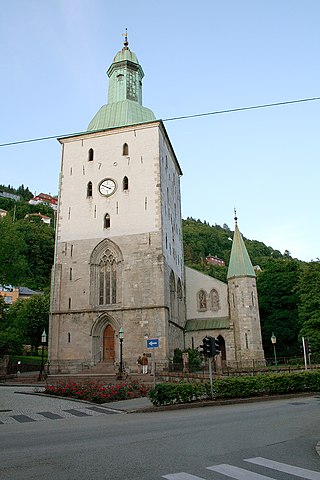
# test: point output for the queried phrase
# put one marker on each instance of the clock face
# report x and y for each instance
(107, 187)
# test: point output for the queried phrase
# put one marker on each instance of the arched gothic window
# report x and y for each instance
(107, 221)
(172, 286)
(179, 289)
(125, 150)
(125, 183)
(108, 278)
(90, 155)
(202, 300)
(89, 189)
(179, 302)
(106, 274)
(214, 300)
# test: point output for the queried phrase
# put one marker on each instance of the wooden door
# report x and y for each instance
(108, 344)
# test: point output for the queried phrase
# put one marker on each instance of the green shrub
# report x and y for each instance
(236, 387)
(170, 393)
(195, 359)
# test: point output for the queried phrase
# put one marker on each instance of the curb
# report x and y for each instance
(218, 403)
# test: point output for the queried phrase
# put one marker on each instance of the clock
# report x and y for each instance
(107, 187)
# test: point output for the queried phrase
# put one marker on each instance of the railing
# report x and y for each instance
(284, 364)
(97, 358)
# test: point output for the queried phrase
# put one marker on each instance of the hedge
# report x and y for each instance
(236, 387)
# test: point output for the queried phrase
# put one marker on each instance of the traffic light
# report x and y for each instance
(206, 346)
(216, 348)
(308, 347)
(210, 346)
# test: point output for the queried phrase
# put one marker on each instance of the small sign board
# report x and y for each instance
(153, 343)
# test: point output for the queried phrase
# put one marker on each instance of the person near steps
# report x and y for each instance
(144, 363)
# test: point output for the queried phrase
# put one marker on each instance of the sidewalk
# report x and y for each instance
(131, 405)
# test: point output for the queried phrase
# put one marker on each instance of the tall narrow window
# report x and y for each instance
(69, 337)
(107, 220)
(108, 279)
(71, 250)
(69, 302)
(70, 274)
(90, 155)
(125, 183)
(89, 189)
(172, 287)
(125, 149)
(179, 295)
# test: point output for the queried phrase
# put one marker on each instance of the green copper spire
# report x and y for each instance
(124, 105)
(240, 264)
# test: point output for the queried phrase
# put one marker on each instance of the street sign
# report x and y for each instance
(153, 343)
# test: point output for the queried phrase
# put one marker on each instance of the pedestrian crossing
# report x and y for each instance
(28, 417)
(239, 473)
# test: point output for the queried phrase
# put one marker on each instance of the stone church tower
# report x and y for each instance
(119, 255)
(243, 304)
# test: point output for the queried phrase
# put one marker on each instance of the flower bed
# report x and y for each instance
(97, 392)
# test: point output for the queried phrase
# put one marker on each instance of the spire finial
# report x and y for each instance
(235, 215)
(125, 35)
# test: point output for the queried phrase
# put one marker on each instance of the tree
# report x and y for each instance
(13, 263)
(31, 317)
(10, 338)
(278, 304)
(309, 308)
(39, 250)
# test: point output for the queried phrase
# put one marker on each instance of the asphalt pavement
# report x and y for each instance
(11, 406)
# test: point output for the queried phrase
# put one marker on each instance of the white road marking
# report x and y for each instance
(182, 476)
(283, 467)
(237, 473)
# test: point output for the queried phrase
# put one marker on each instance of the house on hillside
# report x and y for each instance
(11, 294)
(45, 199)
(43, 218)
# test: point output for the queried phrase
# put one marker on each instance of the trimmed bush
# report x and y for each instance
(236, 387)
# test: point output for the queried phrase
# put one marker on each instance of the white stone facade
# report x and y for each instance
(119, 257)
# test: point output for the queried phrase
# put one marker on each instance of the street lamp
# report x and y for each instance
(43, 341)
(274, 341)
(121, 342)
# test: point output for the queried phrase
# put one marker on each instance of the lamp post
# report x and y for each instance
(121, 362)
(274, 341)
(43, 341)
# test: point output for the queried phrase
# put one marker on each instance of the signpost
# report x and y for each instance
(153, 343)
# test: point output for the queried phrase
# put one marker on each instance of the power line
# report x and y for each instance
(241, 109)
(218, 112)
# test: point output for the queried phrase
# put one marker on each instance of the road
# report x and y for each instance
(210, 443)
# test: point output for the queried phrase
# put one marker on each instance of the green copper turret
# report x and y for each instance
(240, 264)
(124, 105)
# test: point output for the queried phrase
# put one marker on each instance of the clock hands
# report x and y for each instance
(107, 187)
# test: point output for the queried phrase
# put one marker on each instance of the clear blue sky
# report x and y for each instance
(197, 57)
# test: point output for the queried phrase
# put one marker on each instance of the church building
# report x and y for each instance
(119, 267)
